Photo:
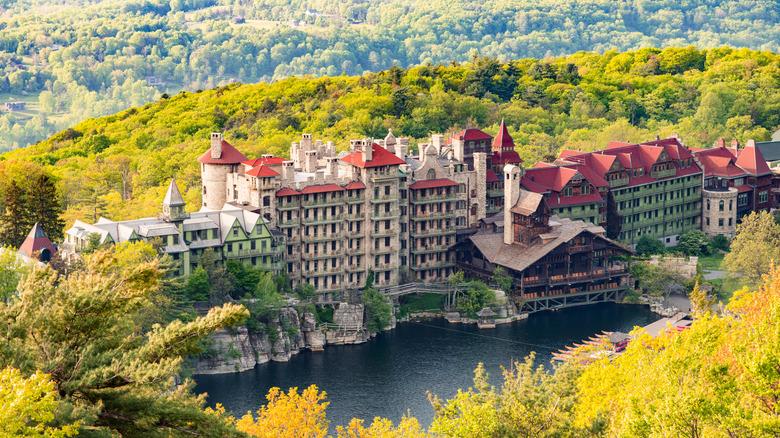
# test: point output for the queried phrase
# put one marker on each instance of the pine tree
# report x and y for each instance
(44, 207)
(15, 222)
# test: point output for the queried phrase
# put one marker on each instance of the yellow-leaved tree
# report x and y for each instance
(289, 415)
(28, 404)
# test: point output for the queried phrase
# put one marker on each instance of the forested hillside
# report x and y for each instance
(74, 59)
(118, 166)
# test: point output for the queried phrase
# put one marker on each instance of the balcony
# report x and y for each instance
(355, 216)
(427, 249)
(495, 193)
(384, 232)
(663, 173)
(433, 198)
(288, 205)
(434, 215)
(327, 254)
(284, 223)
(434, 264)
(355, 233)
(596, 274)
(385, 266)
(433, 232)
(322, 237)
(269, 250)
(323, 220)
(580, 248)
(618, 182)
(385, 215)
(354, 250)
(321, 271)
(384, 198)
(356, 267)
(384, 250)
(322, 202)
(355, 199)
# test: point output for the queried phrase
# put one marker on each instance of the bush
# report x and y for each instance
(720, 242)
(695, 243)
(649, 245)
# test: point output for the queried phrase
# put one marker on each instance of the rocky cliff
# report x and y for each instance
(235, 349)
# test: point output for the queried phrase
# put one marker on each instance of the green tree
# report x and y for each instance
(378, 310)
(44, 207)
(614, 219)
(648, 245)
(754, 248)
(197, 287)
(501, 279)
(111, 378)
(695, 243)
(11, 271)
(476, 296)
(15, 223)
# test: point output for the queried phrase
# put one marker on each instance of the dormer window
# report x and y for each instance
(567, 191)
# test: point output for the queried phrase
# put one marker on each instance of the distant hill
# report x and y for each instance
(74, 59)
(119, 165)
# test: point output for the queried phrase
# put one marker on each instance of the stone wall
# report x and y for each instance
(716, 221)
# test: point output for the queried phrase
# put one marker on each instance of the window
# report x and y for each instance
(731, 204)
(461, 188)
(708, 222)
(431, 174)
(567, 191)
(763, 196)
(708, 204)
(721, 206)
(235, 232)
(742, 199)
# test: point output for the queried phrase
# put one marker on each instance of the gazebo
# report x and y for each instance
(487, 318)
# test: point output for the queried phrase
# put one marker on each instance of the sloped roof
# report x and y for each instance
(518, 257)
(491, 176)
(268, 161)
(470, 134)
(505, 157)
(262, 172)
(527, 203)
(503, 140)
(287, 192)
(379, 157)
(557, 201)
(718, 162)
(433, 183)
(554, 178)
(751, 160)
(230, 155)
(355, 185)
(321, 188)
(770, 150)
(36, 241)
(173, 195)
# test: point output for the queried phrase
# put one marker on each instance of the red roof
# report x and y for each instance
(270, 161)
(503, 141)
(554, 178)
(752, 161)
(433, 183)
(287, 192)
(491, 177)
(37, 241)
(617, 144)
(322, 188)
(230, 155)
(532, 186)
(470, 134)
(743, 188)
(262, 172)
(355, 186)
(719, 162)
(556, 201)
(541, 164)
(506, 157)
(379, 157)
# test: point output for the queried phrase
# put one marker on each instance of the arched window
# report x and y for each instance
(708, 204)
(731, 204)
(721, 206)
(431, 174)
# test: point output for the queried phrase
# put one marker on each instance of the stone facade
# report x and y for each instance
(719, 215)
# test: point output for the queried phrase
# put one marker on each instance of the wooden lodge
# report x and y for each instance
(554, 262)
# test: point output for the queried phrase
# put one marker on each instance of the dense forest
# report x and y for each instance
(119, 166)
(69, 60)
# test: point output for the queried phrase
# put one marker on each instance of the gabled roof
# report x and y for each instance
(719, 162)
(554, 178)
(287, 192)
(268, 161)
(503, 140)
(262, 172)
(470, 134)
(322, 188)
(505, 157)
(491, 176)
(433, 183)
(230, 155)
(751, 160)
(770, 150)
(527, 203)
(379, 157)
(36, 241)
(173, 195)
(355, 185)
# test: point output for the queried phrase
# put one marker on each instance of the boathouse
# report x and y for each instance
(555, 262)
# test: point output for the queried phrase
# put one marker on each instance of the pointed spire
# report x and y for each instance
(38, 242)
(173, 195)
(503, 141)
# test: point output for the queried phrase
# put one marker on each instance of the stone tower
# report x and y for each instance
(216, 163)
(512, 175)
(173, 204)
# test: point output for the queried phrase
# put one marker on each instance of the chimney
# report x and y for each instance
(216, 145)
(368, 149)
(354, 146)
(458, 146)
(288, 171)
(331, 149)
(720, 143)
(332, 167)
(267, 156)
(306, 142)
(437, 140)
(310, 162)
(403, 148)
(480, 167)
(511, 195)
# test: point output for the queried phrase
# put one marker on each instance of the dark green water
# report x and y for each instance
(392, 372)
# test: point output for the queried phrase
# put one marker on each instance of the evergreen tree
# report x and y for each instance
(614, 219)
(15, 221)
(44, 207)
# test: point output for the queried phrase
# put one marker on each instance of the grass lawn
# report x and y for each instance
(419, 303)
(727, 287)
(711, 262)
